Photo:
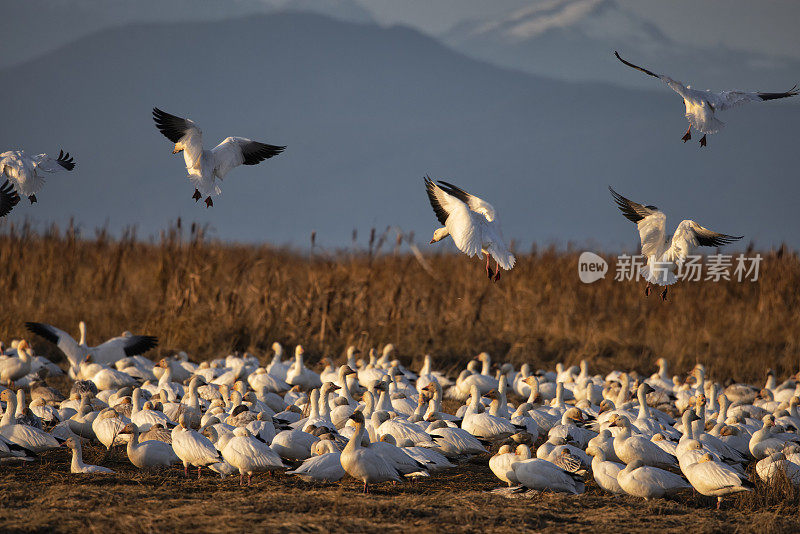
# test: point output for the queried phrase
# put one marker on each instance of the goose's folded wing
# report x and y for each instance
(475, 204)
(235, 151)
(8, 198)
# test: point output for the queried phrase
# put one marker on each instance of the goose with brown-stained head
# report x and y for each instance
(363, 463)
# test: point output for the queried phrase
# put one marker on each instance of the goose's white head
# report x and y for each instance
(439, 234)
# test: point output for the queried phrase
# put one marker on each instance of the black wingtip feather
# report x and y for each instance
(8, 198)
(438, 210)
(140, 344)
(65, 160)
(43, 330)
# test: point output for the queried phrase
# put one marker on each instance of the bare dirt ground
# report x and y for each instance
(43, 496)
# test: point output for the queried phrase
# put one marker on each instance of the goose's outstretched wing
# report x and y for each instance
(173, 127)
(689, 236)
(235, 151)
(675, 85)
(475, 204)
(50, 164)
(637, 67)
(131, 345)
(65, 160)
(652, 224)
(8, 198)
(729, 99)
(61, 339)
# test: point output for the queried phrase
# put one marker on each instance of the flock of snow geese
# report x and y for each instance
(471, 222)
(376, 421)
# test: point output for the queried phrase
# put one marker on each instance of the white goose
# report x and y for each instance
(23, 171)
(108, 352)
(649, 482)
(148, 454)
(324, 467)
(300, 375)
(77, 465)
(15, 367)
(541, 475)
(701, 106)
(249, 455)
(193, 448)
(630, 448)
(715, 479)
(23, 435)
(502, 462)
(363, 463)
(471, 222)
(205, 166)
(604, 471)
(664, 254)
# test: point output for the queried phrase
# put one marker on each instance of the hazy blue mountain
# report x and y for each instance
(365, 113)
(574, 40)
(33, 27)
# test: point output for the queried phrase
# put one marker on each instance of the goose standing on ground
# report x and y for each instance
(108, 352)
(471, 222)
(77, 465)
(205, 166)
(363, 463)
(715, 479)
(250, 455)
(23, 171)
(701, 106)
(192, 447)
(664, 254)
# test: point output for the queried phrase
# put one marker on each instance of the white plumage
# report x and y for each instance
(26, 173)
(701, 106)
(205, 166)
(664, 253)
(471, 222)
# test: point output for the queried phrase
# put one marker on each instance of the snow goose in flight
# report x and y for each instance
(24, 172)
(204, 166)
(471, 222)
(664, 253)
(701, 106)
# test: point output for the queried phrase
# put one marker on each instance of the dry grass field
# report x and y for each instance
(209, 299)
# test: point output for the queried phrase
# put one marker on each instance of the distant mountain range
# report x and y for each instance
(574, 40)
(366, 112)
